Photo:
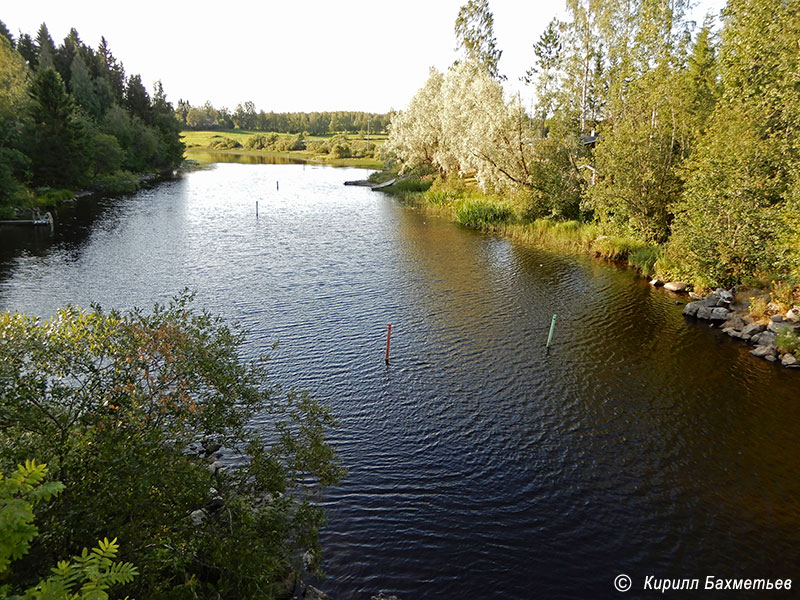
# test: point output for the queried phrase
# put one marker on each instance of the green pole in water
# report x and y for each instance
(552, 327)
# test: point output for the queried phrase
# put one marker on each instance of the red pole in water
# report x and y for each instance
(388, 338)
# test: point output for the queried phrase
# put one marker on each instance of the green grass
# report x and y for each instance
(483, 214)
(210, 141)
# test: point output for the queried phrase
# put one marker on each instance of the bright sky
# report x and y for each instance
(290, 55)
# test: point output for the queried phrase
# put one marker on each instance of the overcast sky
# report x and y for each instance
(290, 55)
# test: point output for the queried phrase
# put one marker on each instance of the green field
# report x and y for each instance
(351, 150)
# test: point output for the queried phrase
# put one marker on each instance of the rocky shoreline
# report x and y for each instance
(733, 318)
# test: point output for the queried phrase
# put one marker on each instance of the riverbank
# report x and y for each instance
(336, 150)
(33, 201)
(766, 314)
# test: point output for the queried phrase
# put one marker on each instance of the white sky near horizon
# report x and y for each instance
(303, 56)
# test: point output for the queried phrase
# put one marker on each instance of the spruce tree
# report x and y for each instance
(58, 141)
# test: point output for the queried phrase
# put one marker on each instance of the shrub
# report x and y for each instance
(46, 196)
(260, 142)
(120, 182)
(224, 143)
(127, 408)
(381, 176)
(758, 307)
(784, 294)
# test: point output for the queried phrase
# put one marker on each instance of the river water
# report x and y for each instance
(480, 465)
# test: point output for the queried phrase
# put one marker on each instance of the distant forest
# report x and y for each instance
(70, 117)
(246, 117)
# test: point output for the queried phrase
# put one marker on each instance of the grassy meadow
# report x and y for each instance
(339, 150)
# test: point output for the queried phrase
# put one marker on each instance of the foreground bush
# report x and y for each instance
(127, 409)
(85, 577)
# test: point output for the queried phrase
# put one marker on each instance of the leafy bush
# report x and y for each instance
(261, 142)
(225, 143)
(46, 196)
(381, 176)
(128, 408)
(758, 307)
(119, 182)
(784, 294)
(481, 214)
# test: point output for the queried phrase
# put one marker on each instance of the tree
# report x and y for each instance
(112, 70)
(137, 100)
(45, 48)
(245, 116)
(544, 75)
(27, 50)
(728, 220)
(482, 132)
(415, 134)
(474, 31)
(168, 126)
(130, 409)
(83, 88)
(4, 32)
(13, 79)
(58, 138)
(740, 209)
(704, 87)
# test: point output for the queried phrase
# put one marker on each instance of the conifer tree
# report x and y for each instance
(58, 153)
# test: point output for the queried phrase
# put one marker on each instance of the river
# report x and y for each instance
(480, 465)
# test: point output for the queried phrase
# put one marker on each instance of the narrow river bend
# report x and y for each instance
(480, 466)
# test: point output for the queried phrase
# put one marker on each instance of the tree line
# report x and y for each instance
(246, 117)
(70, 117)
(669, 134)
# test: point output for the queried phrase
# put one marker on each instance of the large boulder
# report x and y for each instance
(765, 339)
(790, 360)
(792, 315)
(754, 329)
(711, 300)
(311, 593)
(704, 312)
(736, 321)
(690, 310)
(724, 295)
(764, 352)
(720, 314)
(675, 286)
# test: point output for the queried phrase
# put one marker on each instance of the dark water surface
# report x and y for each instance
(480, 466)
